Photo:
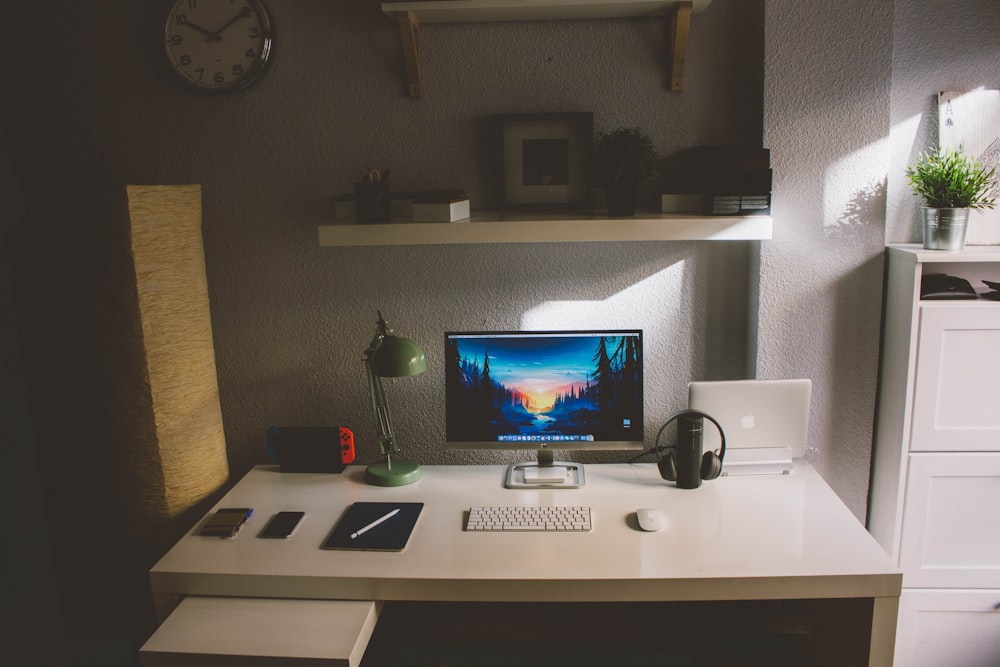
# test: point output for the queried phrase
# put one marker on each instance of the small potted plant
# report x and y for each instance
(950, 183)
(620, 161)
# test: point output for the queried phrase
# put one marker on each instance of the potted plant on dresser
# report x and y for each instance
(620, 161)
(950, 183)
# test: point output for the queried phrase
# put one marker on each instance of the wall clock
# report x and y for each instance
(218, 45)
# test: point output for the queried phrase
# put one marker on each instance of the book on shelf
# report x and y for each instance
(674, 203)
(722, 180)
(345, 208)
(441, 209)
(718, 204)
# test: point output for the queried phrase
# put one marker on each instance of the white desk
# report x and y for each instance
(773, 537)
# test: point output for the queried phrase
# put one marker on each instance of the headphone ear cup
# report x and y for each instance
(711, 465)
(668, 467)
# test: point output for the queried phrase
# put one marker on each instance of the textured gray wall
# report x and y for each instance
(291, 319)
(848, 97)
(826, 118)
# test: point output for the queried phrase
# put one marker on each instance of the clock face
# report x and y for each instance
(218, 45)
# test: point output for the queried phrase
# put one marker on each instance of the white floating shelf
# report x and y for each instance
(534, 228)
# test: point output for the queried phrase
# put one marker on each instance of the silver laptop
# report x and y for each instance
(765, 421)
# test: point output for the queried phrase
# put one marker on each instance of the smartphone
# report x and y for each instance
(282, 525)
(226, 522)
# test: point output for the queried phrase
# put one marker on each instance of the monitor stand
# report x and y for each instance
(544, 473)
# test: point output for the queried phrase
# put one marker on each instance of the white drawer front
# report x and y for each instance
(956, 400)
(951, 524)
(210, 631)
(954, 628)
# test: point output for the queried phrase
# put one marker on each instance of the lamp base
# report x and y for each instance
(402, 472)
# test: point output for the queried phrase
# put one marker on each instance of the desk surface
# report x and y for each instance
(746, 537)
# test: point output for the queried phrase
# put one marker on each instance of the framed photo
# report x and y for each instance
(543, 159)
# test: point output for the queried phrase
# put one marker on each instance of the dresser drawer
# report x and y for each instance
(948, 627)
(223, 632)
(956, 396)
(951, 524)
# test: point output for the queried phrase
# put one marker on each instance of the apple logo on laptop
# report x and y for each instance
(747, 421)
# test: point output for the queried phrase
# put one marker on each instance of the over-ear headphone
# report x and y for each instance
(711, 462)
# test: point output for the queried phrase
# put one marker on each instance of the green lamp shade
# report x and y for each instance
(398, 357)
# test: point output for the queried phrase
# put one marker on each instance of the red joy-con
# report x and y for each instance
(346, 445)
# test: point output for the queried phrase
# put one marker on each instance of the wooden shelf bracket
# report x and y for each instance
(680, 25)
(409, 14)
(409, 33)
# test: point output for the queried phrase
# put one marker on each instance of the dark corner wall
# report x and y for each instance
(77, 593)
(31, 622)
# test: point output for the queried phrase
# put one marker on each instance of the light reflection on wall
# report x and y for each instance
(618, 310)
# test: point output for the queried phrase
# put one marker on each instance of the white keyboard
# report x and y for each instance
(529, 517)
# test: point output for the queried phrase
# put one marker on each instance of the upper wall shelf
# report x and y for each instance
(537, 228)
(410, 14)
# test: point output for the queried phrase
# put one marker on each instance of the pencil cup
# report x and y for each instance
(372, 201)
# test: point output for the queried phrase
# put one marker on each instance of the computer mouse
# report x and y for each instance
(650, 519)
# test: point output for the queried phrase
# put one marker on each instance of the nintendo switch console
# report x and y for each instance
(311, 448)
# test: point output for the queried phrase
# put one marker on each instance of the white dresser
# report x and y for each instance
(935, 488)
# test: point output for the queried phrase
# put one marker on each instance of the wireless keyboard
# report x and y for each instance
(529, 517)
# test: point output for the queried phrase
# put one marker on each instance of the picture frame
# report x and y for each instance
(543, 158)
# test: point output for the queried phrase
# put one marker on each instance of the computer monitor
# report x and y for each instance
(544, 390)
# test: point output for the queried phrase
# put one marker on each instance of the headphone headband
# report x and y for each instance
(690, 412)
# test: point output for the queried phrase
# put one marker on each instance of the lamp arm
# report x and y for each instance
(384, 432)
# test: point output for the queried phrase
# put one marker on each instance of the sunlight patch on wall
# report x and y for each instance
(906, 141)
(644, 305)
(904, 136)
(848, 208)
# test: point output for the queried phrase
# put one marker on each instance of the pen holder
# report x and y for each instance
(372, 201)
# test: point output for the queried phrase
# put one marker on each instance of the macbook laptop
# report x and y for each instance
(765, 422)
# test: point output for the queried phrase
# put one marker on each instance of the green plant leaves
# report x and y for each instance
(950, 179)
(625, 155)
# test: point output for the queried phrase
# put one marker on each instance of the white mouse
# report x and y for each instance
(650, 519)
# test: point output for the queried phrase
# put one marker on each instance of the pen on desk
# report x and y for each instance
(375, 523)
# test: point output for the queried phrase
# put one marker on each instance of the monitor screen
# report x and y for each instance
(567, 390)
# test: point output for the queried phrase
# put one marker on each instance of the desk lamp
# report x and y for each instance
(390, 356)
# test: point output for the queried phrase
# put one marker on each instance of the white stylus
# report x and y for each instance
(375, 523)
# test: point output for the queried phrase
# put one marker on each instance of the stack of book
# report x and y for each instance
(722, 180)
(429, 206)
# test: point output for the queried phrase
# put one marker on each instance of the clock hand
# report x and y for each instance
(231, 21)
(208, 33)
